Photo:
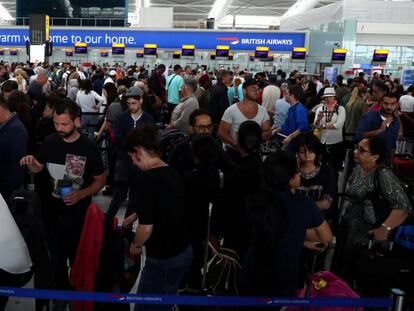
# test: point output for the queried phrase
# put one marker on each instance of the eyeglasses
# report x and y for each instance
(204, 127)
(359, 149)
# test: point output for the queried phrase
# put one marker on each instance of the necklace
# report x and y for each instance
(329, 114)
(311, 174)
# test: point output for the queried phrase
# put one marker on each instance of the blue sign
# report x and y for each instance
(330, 74)
(206, 40)
(407, 77)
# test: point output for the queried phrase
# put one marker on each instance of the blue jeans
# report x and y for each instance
(162, 277)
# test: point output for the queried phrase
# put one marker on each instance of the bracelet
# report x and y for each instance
(386, 227)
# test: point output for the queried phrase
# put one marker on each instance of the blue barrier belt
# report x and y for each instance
(196, 300)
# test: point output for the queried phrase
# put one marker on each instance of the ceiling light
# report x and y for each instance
(219, 8)
(4, 14)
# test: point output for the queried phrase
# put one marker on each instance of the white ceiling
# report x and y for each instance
(189, 14)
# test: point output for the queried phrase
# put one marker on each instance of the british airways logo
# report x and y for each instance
(255, 41)
(233, 40)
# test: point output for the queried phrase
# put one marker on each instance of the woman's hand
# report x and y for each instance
(315, 245)
(380, 234)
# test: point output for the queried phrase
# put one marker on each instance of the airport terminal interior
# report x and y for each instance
(206, 155)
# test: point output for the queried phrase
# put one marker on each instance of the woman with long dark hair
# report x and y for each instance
(279, 219)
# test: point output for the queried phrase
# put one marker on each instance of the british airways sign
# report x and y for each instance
(206, 40)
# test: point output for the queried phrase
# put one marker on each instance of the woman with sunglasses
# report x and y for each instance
(375, 204)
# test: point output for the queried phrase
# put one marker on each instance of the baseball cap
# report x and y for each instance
(249, 82)
(134, 91)
(112, 73)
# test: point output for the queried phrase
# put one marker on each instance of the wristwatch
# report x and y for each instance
(386, 227)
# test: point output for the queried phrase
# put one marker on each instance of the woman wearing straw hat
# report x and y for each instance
(330, 118)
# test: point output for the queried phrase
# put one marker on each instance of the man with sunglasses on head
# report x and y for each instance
(384, 123)
(247, 109)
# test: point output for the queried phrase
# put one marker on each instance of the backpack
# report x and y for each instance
(169, 138)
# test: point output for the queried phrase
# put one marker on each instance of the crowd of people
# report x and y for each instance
(275, 209)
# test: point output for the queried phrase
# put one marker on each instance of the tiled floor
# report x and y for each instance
(25, 304)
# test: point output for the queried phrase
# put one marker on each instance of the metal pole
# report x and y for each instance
(342, 186)
(204, 279)
(398, 297)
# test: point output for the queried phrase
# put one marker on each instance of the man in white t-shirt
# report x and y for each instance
(407, 101)
(247, 109)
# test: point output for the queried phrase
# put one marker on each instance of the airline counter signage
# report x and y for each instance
(204, 40)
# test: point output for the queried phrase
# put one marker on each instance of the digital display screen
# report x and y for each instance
(150, 49)
(338, 55)
(118, 50)
(1, 52)
(299, 53)
(251, 58)
(270, 58)
(261, 54)
(187, 52)
(104, 53)
(140, 54)
(380, 56)
(222, 53)
(81, 49)
(74, 8)
(212, 56)
(230, 57)
(13, 52)
(176, 55)
(68, 53)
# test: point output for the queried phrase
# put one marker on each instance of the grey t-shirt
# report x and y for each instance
(235, 117)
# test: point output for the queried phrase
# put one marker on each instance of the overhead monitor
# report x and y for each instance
(222, 51)
(81, 48)
(118, 49)
(299, 54)
(251, 57)
(13, 52)
(140, 54)
(380, 56)
(68, 52)
(176, 55)
(104, 53)
(188, 50)
(212, 56)
(261, 52)
(231, 56)
(104, 9)
(150, 49)
(338, 56)
(270, 58)
(1, 51)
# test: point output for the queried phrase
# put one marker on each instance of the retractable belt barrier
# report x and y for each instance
(196, 300)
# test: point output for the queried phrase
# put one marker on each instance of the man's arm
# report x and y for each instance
(77, 195)
(32, 164)
(266, 130)
(224, 134)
